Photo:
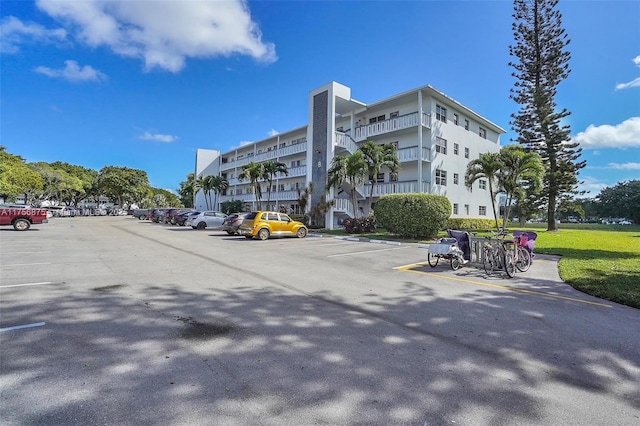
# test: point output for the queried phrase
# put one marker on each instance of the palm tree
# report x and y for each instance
(486, 167)
(254, 172)
(350, 169)
(520, 169)
(379, 156)
(271, 168)
(199, 184)
(218, 185)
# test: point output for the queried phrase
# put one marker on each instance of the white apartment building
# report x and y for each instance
(436, 137)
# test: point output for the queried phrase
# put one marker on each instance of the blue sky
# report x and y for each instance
(143, 84)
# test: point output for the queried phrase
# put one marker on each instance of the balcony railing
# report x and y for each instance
(411, 154)
(345, 141)
(392, 125)
(406, 187)
(264, 156)
(290, 195)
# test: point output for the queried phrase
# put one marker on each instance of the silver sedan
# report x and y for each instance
(207, 219)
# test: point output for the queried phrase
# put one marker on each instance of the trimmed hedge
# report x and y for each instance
(413, 215)
(470, 224)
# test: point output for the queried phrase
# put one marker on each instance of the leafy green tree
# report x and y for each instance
(304, 195)
(16, 177)
(487, 166)
(271, 168)
(123, 184)
(542, 63)
(73, 195)
(379, 157)
(621, 200)
(350, 169)
(254, 173)
(231, 206)
(520, 173)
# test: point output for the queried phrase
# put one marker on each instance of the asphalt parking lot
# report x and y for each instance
(111, 320)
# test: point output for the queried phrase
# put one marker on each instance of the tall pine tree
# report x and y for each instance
(542, 64)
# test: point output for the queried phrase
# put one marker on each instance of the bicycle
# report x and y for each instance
(495, 255)
(521, 255)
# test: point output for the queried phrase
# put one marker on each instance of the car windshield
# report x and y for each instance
(251, 215)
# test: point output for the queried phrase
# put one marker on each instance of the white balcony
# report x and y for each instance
(274, 154)
(392, 125)
(293, 172)
(406, 187)
(411, 154)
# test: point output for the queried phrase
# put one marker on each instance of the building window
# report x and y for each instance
(455, 208)
(466, 209)
(466, 124)
(376, 119)
(456, 178)
(466, 153)
(380, 177)
(441, 177)
(456, 148)
(456, 119)
(441, 113)
(393, 177)
(482, 132)
(483, 184)
(394, 114)
(482, 210)
(281, 187)
(441, 145)
(395, 144)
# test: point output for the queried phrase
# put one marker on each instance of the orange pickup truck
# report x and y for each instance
(22, 218)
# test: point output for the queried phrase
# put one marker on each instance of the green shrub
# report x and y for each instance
(360, 225)
(471, 224)
(413, 215)
(232, 206)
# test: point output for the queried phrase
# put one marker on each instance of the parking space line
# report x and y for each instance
(367, 251)
(18, 327)
(24, 264)
(30, 284)
(409, 268)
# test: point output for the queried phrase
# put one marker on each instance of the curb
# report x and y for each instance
(368, 240)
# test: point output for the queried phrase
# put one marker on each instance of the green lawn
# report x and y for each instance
(600, 260)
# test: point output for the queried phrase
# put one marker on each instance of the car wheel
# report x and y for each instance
(21, 225)
(193, 227)
(248, 237)
(263, 234)
(230, 232)
(302, 232)
(201, 225)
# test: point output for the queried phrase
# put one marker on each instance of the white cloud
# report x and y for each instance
(272, 132)
(623, 135)
(591, 186)
(14, 32)
(623, 166)
(73, 72)
(148, 136)
(632, 83)
(245, 143)
(165, 33)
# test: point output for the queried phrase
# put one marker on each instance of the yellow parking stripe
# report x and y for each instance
(409, 268)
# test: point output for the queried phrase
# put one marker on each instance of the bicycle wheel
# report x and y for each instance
(432, 259)
(455, 262)
(524, 259)
(488, 260)
(509, 264)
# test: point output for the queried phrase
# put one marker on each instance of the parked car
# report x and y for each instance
(182, 218)
(156, 215)
(263, 224)
(207, 219)
(141, 213)
(233, 222)
(625, 222)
